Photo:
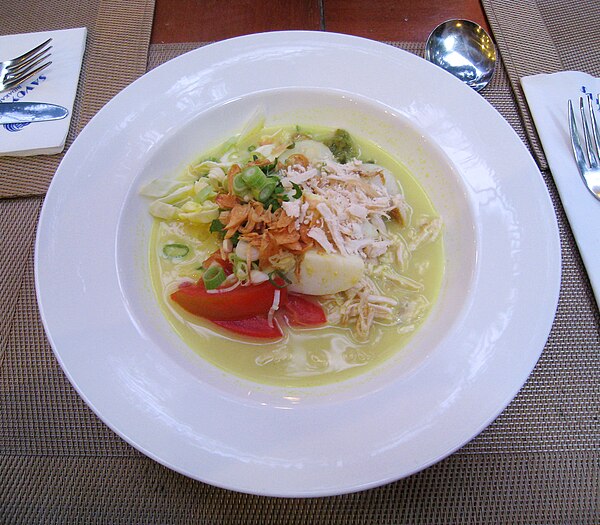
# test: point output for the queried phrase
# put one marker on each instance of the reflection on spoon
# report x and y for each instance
(464, 49)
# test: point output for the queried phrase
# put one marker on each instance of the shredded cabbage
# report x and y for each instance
(197, 213)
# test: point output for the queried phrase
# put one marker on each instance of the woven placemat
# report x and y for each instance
(489, 489)
(116, 54)
(544, 36)
(537, 463)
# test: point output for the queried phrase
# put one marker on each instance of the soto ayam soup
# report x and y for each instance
(295, 256)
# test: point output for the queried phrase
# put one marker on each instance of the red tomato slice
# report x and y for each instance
(300, 311)
(257, 326)
(242, 302)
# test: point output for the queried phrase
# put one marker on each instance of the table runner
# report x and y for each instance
(116, 54)
(538, 462)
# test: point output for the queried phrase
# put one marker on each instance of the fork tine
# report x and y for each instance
(31, 60)
(27, 65)
(575, 143)
(587, 136)
(19, 79)
(29, 53)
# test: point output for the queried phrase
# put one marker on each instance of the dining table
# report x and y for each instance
(537, 462)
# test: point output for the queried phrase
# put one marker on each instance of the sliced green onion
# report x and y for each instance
(265, 192)
(239, 185)
(241, 270)
(253, 177)
(213, 277)
(175, 251)
(251, 148)
(266, 189)
(278, 273)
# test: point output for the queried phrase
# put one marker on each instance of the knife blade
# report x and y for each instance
(18, 112)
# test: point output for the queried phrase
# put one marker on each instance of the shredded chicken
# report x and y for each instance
(361, 306)
(352, 210)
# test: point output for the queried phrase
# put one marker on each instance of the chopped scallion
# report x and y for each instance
(253, 177)
(239, 186)
(214, 277)
(266, 190)
(175, 250)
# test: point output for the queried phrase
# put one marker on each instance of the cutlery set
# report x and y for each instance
(18, 70)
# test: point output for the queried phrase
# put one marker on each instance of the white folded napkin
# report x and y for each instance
(57, 84)
(547, 97)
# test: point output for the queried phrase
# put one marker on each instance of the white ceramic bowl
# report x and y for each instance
(466, 363)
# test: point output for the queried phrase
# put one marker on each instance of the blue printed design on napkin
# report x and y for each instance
(15, 126)
(584, 89)
(17, 94)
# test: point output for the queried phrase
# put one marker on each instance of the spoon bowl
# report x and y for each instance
(464, 49)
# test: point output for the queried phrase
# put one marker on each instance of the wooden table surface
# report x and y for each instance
(387, 20)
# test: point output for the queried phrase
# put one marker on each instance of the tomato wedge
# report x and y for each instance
(242, 302)
(299, 311)
(257, 326)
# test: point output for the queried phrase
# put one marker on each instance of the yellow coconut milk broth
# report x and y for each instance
(305, 357)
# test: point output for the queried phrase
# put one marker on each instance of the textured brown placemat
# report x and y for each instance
(489, 489)
(539, 462)
(544, 36)
(116, 54)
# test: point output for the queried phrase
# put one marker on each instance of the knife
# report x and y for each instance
(18, 112)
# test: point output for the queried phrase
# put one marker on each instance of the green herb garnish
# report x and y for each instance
(342, 146)
(298, 192)
(216, 226)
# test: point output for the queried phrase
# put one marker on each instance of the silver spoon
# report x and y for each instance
(464, 49)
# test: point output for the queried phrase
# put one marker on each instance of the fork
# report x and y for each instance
(18, 70)
(588, 159)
